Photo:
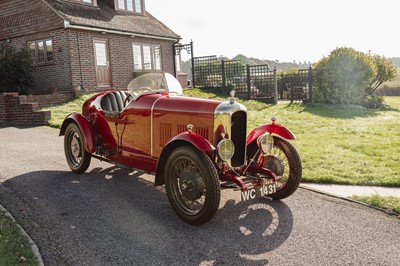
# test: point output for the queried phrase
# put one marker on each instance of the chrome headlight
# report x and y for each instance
(265, 142)
(226, 149)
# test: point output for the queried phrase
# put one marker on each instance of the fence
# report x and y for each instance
(252, 81)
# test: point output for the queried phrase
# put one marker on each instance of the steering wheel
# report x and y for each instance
(128, 99)
(145, 89)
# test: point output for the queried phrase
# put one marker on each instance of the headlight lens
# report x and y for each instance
(226, 149)
(265, 142)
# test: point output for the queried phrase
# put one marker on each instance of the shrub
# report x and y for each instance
(15, 69)
(342, 77)
(373, 102)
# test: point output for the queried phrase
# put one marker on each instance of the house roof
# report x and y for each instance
(105, 17)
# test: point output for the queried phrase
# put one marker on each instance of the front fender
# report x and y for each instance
(195, 139)
(270, 128)
(84, 126)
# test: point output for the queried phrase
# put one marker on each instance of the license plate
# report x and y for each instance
(259, 191)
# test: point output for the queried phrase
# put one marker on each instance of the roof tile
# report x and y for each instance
(106, 17)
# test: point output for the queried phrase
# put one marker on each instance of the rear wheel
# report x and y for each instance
(192, 185)
(78, 158)
(285, 162)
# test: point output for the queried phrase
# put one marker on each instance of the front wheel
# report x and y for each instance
(285, 162)
(192, 185)
(78, 158)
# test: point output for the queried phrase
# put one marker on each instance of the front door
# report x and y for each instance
(102, 64)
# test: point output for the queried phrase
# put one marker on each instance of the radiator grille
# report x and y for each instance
(238, 136)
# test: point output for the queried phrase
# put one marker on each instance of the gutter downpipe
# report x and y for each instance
(173, 51)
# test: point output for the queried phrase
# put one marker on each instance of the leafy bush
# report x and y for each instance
(342, 77)
(347, 76)
(373, 102)
(15, 69)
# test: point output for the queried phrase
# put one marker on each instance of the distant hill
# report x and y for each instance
(186, 66)
(396, 61)
(271, 63)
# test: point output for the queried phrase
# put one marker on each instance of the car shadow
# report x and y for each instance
(113, 216)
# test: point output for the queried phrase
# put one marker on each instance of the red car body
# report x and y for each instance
(145, 130)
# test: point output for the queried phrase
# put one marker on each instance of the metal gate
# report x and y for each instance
(252, 81)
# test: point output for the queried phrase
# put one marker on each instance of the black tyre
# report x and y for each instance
(285, 162)
(192, 185)
(78, 158)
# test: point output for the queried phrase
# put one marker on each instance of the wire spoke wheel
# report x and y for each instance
(188, 186)
(285, 162)
(78, 158)
(192, 185)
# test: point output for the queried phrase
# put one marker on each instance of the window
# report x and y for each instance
(93, 2)
(130, 5)
(146, 57)
(41, 51)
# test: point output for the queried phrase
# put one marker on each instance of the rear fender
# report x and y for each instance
(185, 138)
(272, 129)
(84, 126)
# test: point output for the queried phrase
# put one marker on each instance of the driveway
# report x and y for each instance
(109, 216)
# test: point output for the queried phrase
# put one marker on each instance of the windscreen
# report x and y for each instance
(154, 82)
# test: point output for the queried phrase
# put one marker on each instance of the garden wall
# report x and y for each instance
(26, 108)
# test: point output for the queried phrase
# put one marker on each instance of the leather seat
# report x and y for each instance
(114, 101)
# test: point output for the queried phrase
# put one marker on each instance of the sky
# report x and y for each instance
(283, 30)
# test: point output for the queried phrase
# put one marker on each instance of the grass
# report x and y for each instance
(392, 204)
(59, 112)
(14, 249)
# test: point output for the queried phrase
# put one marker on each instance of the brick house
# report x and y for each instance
(87, 44)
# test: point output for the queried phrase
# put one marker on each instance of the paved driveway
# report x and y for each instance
(110, 216)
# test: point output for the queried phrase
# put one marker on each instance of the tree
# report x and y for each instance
(343, 76)
(15, 69)
(384, 70)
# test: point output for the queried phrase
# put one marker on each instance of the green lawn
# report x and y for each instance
(14, 249)
(345, 146)
(59, 112)
(392, 204)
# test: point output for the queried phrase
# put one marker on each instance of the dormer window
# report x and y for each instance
(130, 5)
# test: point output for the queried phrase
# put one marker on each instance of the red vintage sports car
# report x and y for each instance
(195, 147)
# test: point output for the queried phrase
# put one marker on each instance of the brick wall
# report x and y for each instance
(51, 76)
(74, 61)
(183, 79)
(120, 57)
(15, 108)
(48, 100)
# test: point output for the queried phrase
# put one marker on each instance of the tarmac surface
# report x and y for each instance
(109, 216)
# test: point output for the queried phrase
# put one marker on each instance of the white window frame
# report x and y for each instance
(133, 6)
(149, 58)
(36, 43)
